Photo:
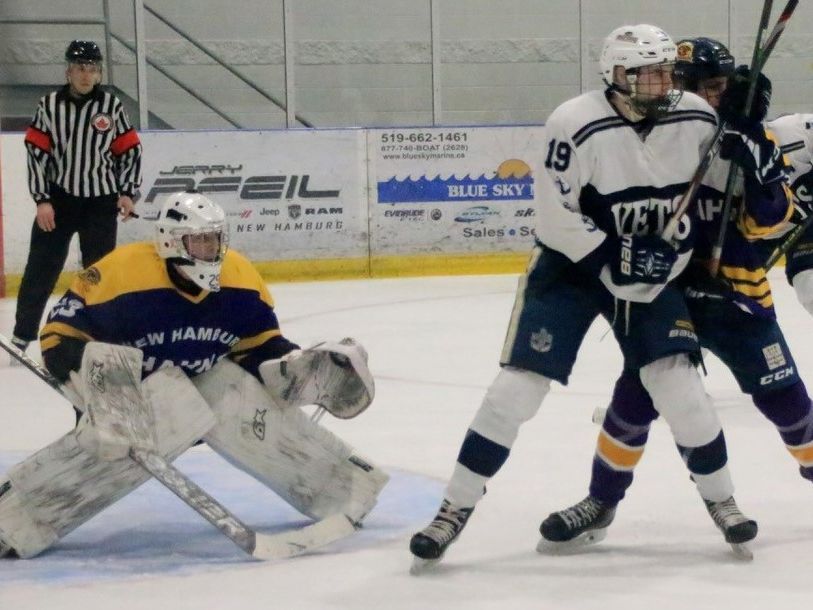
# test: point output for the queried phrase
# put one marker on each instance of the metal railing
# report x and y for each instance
(109, 36)
(247, 80)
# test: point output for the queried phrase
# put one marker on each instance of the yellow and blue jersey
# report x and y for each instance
(760, 214)
(129, 298)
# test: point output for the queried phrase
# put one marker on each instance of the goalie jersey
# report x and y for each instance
(613, 177)
(128, 298)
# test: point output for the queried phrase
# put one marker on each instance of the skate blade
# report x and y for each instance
(420, 566)
(570, 546)
(742, 551)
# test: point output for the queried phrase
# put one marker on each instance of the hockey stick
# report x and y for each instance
(757, 63)
(789, 242)
(260, 546)
(713, 146)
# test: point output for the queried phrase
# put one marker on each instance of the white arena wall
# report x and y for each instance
(328, 204)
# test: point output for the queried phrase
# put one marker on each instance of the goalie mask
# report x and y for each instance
(191, 231)
(647, 54)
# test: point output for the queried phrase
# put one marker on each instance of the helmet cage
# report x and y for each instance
(192, 232)
(648, 105)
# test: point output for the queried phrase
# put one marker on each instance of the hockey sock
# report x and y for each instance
(621, 441)
(789, 409)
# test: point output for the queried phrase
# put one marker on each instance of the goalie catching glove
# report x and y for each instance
(333, 375)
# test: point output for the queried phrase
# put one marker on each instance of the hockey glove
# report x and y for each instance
(732, 102)
(645, 259)
(751, 149)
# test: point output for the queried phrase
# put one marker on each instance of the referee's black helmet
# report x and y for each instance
(83, 52)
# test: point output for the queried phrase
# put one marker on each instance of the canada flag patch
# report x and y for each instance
(102, 122)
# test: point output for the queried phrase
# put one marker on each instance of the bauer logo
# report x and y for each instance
(511, 181)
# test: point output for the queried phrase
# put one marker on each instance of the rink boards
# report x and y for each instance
(330, 204)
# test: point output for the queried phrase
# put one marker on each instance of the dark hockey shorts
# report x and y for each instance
(556, 304)
(753, 348)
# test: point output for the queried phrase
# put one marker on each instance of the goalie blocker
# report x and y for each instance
(65, 484)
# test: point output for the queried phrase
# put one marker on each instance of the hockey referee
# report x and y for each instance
(84, 165)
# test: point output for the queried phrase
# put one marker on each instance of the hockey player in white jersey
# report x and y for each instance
(178, 340)
(615, 166)
(794, 132)
(733, 314)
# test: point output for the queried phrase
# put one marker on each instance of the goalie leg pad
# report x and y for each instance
(57, 489)
(308, 466)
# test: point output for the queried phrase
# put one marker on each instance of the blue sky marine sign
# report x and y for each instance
(453, 190)
(511, 181)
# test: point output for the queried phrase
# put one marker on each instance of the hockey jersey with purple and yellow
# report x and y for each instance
(759, 215)
(609, 179)
(128, 298)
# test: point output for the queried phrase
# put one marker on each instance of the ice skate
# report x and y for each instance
(736, 527)
(20, 344)
(582, 524)
(429, 545)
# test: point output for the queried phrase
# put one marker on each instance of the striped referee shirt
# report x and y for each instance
(86, 146)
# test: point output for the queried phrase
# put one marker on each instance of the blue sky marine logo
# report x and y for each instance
(512, 181)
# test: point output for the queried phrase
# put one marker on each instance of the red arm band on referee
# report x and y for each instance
(38, 138)
(124, 142)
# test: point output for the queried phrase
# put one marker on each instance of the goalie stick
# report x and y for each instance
(260, 546)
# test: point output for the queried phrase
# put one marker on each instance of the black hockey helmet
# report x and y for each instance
(701, 58)
(83, 52)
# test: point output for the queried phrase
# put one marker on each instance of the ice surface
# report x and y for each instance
(434, 345)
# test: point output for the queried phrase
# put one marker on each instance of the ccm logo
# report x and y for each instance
(777, 376)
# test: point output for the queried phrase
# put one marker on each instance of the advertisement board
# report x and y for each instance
(287, 194)
(452, 190)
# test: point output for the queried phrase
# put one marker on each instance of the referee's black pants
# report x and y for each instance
(95, 219)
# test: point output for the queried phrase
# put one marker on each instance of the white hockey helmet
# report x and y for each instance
(634, 46)
(191, 231)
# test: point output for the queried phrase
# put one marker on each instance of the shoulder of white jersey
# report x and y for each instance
(692, 102)
(582, 115)
(793, 132)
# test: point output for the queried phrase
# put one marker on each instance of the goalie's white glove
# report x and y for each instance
(333, 375)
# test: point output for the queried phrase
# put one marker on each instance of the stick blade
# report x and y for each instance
(304, 540)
